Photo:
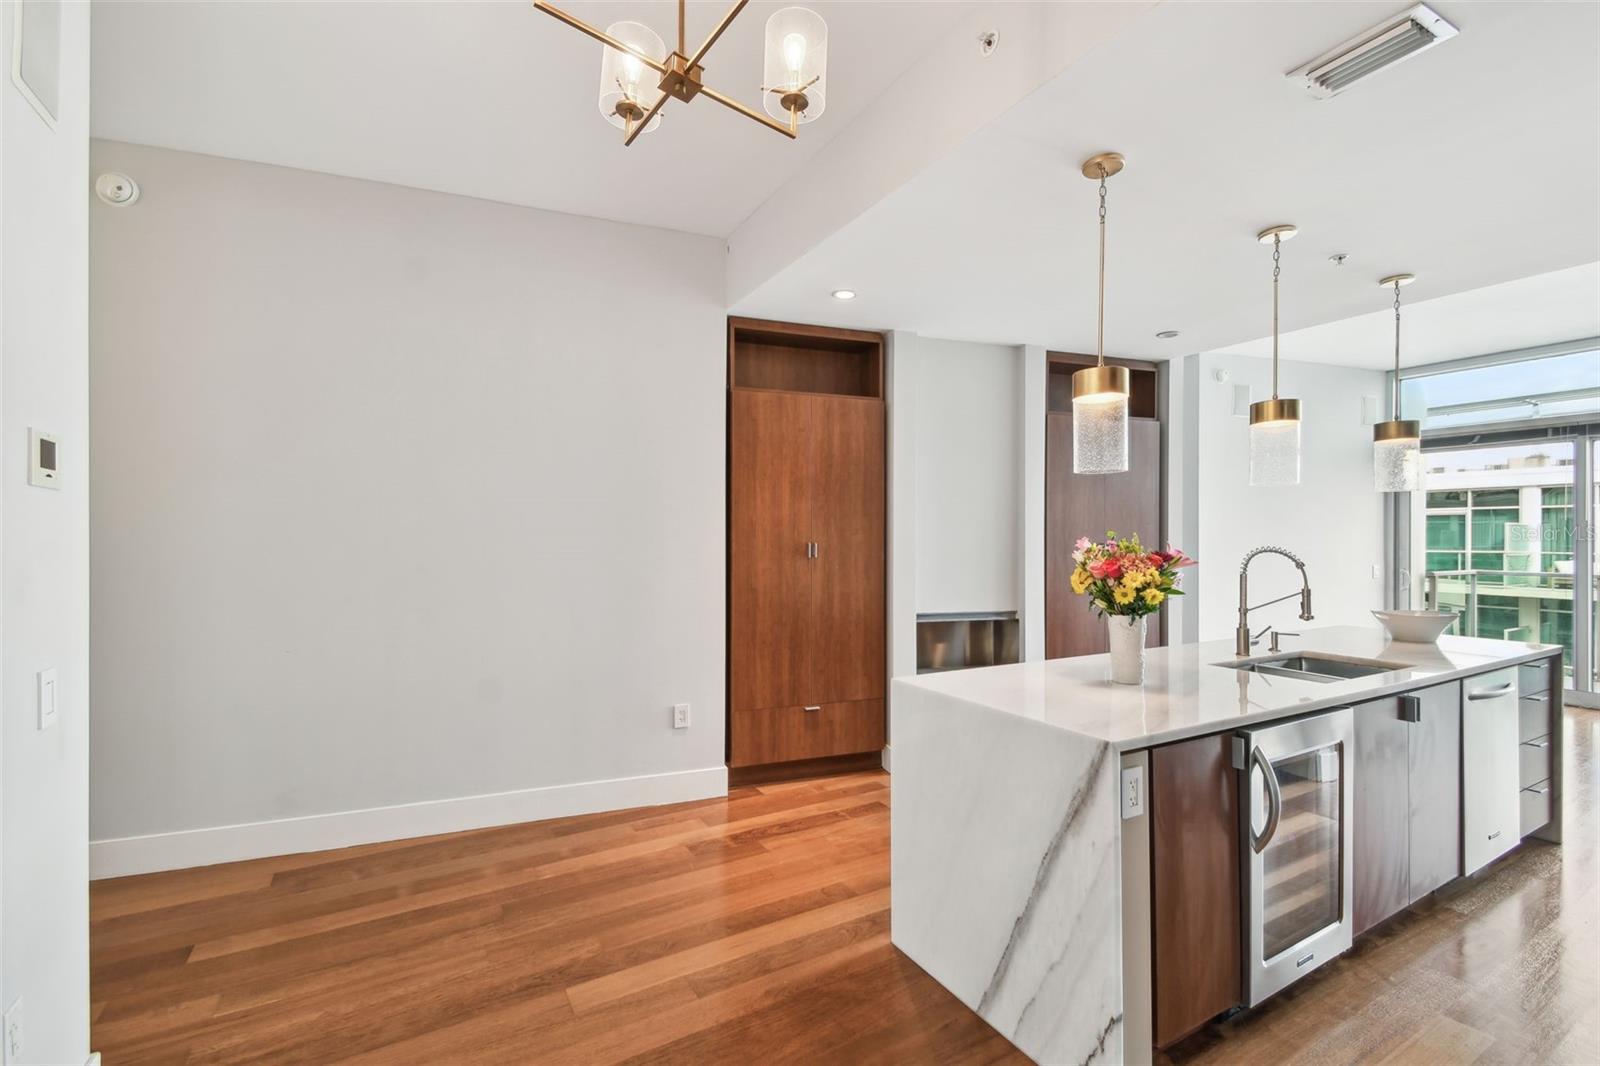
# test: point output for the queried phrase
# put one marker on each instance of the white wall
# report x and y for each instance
(398, 497)
(969, 454)
(1333, 519)
(44, 554)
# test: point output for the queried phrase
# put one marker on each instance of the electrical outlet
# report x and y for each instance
(680, 716)
(1132, 791)
(13, 1035)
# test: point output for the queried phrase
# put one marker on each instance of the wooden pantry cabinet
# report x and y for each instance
(807, 652)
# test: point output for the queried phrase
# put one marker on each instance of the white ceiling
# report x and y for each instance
(1563, 305)
(493, 100)
(1470, 165)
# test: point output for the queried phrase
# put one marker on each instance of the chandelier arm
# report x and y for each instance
(600, 35)
(706, 90)
(727, 20)
(639, 126)
(681, 26)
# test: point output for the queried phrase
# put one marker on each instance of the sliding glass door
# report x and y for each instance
(1502, 531)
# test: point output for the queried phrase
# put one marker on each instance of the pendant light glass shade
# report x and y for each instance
(1275, 423)
(1397, 443)
(795, 73)
(628, 88)
(1274, 450)
(1100, 420)
(1397, 460)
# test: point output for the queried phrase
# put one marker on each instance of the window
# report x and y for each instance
(1559, 385)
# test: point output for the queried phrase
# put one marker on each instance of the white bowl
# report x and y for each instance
(1415, 627)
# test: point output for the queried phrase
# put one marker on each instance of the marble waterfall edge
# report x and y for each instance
(1005, 872)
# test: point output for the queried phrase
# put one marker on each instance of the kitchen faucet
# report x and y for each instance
(1242, 640)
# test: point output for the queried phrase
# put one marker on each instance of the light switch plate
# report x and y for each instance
(1132, 791)
(42, 460)
(49, 698)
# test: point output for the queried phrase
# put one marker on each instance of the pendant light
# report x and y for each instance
(1397, 443)
(1100, 392)
(1275, 423)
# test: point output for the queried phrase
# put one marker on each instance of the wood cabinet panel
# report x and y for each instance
(849, 642)
(1088, 505)
(1195, 949)
(1380, 856)
(784, 734)
(1435, 787)
(771, 581)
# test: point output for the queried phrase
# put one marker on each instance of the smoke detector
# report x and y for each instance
(118, 190)
(988, 41)
(1412, 31)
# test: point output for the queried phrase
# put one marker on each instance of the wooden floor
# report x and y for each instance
(755, 929)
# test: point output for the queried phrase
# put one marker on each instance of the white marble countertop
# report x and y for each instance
(1185, 694)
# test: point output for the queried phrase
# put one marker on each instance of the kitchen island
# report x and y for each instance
(1024, 877)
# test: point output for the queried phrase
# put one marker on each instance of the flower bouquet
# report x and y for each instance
(1125, 581)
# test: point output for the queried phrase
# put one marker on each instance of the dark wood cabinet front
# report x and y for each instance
(1196, 953)
(807, 640)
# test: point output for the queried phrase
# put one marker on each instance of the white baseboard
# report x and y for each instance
(319, 832)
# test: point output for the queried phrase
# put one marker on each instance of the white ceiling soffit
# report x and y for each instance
(1563, 305)
(493, 100)
(1473, 164)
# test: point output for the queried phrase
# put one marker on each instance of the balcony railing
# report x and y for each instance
(1463, 590)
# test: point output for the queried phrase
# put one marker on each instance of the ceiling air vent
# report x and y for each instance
(1414, 30)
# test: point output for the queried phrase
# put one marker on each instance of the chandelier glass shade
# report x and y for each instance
(795, 75)
(628, 88)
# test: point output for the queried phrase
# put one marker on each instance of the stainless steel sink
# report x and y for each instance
(1312, 667)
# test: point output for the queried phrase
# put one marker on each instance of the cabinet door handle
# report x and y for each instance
(1410, 708)
(1543, 697)
(815, 707)
(1491, 693)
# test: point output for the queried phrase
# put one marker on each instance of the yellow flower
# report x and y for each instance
(1154, 596)
(1080, 581)
(1135, 578)
(1122, 594)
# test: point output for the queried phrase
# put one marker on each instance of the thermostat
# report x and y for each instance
(42, 460)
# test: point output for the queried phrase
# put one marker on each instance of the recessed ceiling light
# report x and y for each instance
(844, 294)
(1167, 334)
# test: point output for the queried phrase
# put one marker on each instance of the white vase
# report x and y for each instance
(1127, 649)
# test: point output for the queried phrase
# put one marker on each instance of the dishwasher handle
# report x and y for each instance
(1491, 693)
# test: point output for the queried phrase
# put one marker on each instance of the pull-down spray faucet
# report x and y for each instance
(1241, 640)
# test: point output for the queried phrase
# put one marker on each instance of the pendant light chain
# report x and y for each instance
(1396, 415)
(1277, 247)
(1100, 340)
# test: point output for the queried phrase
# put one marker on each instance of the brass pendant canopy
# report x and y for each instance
(1100, 381)
(1274, 410)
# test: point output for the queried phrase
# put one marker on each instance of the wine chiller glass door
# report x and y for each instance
(1296, 787)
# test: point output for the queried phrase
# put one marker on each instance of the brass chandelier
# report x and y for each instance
(795, 70)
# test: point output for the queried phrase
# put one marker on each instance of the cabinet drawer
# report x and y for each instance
(1533, 713)
(783, 734)
(1535, 807)
(1534, 760)
(1533, 679)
